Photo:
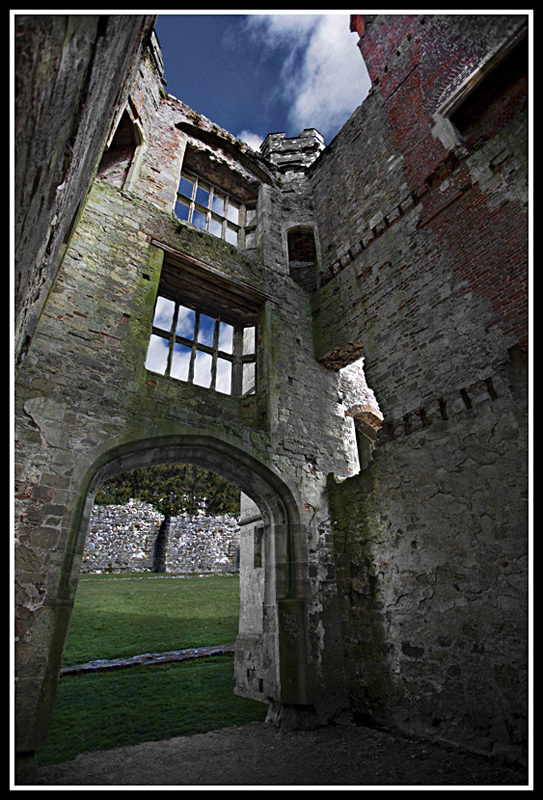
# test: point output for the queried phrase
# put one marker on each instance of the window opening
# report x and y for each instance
(119, 163)
(205, 206)
(487, 101)
(302, 258)
(190, 345)
(210, 343)
(496, 100)
(361, 404)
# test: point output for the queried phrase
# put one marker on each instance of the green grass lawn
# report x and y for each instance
(114, 618)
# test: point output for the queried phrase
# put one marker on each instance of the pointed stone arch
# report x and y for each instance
(274, 499)
(289, 678)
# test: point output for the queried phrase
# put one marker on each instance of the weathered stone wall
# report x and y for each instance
(72, 75)
(87, 408)
(122, 539)
(431, 553)
(430, 537)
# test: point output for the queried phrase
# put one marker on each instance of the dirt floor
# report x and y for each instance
(261, 755)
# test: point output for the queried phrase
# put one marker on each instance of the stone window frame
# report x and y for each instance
(135, 166)
(222, 305)
(444, 128)
(238, 231)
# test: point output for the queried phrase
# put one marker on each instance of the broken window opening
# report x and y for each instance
(493, 95)
(120, 161)
(361, 404)
(207, 207)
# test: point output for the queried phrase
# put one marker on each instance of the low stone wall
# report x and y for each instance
(122, 539)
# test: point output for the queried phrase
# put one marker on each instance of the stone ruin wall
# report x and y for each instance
(430, 544)
(122, 539)
(414, 567)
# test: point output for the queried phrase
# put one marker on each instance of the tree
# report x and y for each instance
(222, 497)
(173, 489)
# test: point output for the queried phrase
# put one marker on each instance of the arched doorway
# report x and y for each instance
(273, 664)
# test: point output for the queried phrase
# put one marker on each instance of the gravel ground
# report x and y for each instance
(260, 755)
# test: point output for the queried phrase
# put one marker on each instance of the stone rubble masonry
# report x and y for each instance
(437, 520)
(122, 539)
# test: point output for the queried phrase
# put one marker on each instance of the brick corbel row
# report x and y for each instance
(382, 222)
(442, 409)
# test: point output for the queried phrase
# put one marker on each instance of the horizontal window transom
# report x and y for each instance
(207, 207)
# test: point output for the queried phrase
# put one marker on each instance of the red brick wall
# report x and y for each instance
(489, 254)
(416, 62)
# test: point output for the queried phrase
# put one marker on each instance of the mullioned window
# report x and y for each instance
(207, 207)
(203, 333)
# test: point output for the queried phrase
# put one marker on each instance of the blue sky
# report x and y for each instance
(255, 74)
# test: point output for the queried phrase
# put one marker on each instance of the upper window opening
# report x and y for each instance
(496, 100)
(209, 208)
(118, 160)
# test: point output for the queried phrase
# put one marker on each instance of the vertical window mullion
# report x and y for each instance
(225, 221)
(209, 207)
(193, 348)
(242, 223)
(193, 199)
(237, 363)
(172, 338)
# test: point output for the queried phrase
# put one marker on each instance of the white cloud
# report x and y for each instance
(252, 139)
(202, 369)
(163, 313)
(223, 381)
(323, 72)
(157, 354)
(282, 28)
